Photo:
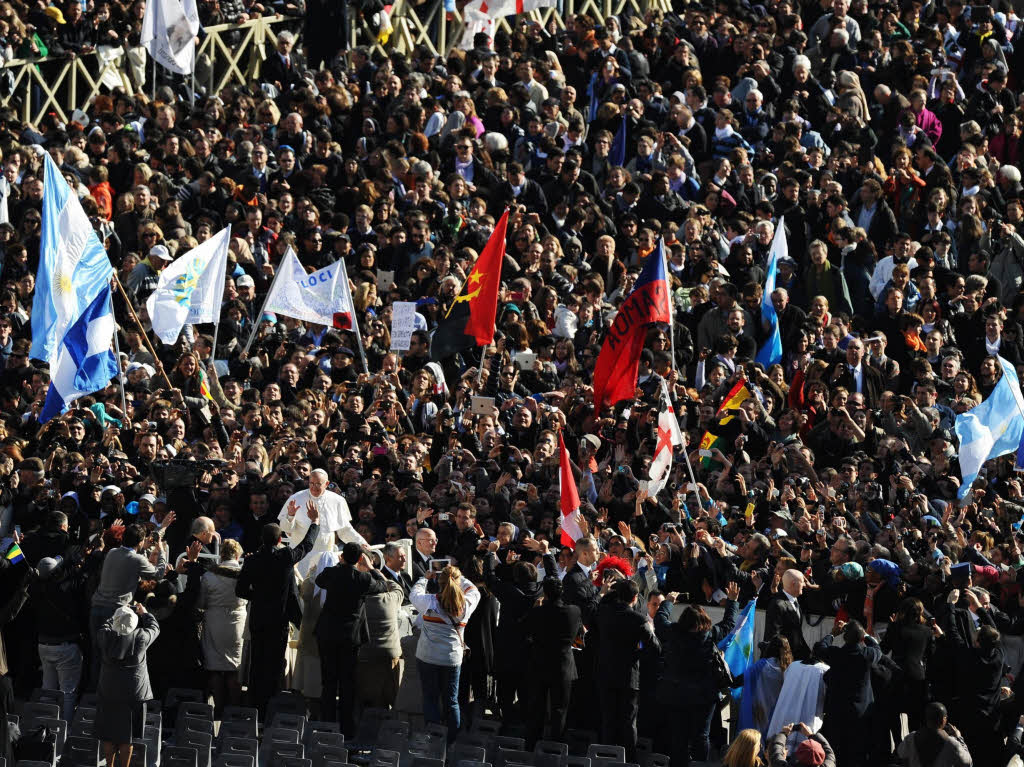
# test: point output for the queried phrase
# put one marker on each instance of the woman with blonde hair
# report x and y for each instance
(442, 641)
(745, 750)
(223, 625)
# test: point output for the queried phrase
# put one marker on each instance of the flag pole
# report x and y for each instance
(256, 320)
(480, 372)
(120, 374)
(142, 330)
(153, 88)
(671, 305)
(355, 319)
(689, 466)
(216, 332)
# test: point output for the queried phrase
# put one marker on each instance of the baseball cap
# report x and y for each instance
(810, 753)
(245, 281)
(161, 252)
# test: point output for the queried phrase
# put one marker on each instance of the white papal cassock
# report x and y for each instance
(334, 519)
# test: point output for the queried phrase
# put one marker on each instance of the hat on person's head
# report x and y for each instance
(112, 489)
(148, 498)
(810, 753)
(788, 261)
(782, 513)
(593, 440)
(31, 464)
(346, 351)
(161, 252)
(80, 118)
(46, 566)
(351, 553)
(55, 13)
(851, 571)
(245, 281)
(124, 621)
(887, 570)
(618, 88)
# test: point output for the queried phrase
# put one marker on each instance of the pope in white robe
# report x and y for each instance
(335, 520)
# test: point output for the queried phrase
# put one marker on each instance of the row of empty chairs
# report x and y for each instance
(181, 731)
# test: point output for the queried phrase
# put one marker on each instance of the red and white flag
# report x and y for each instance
(570, 498)
(669, 435)
(497, 8)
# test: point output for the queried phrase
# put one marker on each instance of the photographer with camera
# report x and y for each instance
(342, 629)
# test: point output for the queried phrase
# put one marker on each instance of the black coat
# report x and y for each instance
(622, 634)
(873, 385)
(343, 618)
(687, 677)
(848, 681)
(267, 580)
(579, 590)
(516, 599)
(550, 630)
(783, 619)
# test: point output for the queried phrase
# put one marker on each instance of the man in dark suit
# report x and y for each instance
(848, 694)
(422, 552)
(578, 589)
(267, 580)
(279, 69)
(395, 561)
(341, 630)
(784, 616)
(550, 628)
(519, 190)
(856, 375)
(622, 634)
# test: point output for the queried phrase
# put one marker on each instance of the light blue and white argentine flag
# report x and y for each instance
(73, 266)
(991, 429)
(85, 361)
(771, 351)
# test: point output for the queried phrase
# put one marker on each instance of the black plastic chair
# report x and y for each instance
(81, 752)
(234, 760)
(202, 742)
(179, 756)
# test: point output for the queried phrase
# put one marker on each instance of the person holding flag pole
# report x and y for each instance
(321, 298)
(470, 320)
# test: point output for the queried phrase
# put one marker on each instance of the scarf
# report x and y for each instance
(721, 134)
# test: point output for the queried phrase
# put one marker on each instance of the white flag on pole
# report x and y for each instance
(322, 297)
(191, 289)
(169, 36)
(669, 435)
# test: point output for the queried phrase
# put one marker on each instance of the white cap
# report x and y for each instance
(161, 252)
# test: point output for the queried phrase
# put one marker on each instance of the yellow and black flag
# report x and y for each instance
(470, 319)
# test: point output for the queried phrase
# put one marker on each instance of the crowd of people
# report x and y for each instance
(322, 497)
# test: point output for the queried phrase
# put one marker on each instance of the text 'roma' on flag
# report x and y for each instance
(569, 498)
(619, 360)
(470, 319)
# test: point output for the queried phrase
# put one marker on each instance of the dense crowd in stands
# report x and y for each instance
(158, 525)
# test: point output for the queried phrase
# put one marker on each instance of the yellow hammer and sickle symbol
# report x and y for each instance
(475, 277)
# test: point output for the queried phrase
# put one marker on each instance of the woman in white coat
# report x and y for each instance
(223, 626)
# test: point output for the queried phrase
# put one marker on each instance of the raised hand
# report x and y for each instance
(312, 513)
(293, 508)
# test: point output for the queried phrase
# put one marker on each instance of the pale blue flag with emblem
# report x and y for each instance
(73, 266)
(85, 361)
(991, 429)
(191, 288)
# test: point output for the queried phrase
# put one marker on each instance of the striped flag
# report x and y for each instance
(204, 385)
(73, 266)
(737, 395)
(771, 351)
(85, 361)
(15, 554)
(569, 500)
(738, 646)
